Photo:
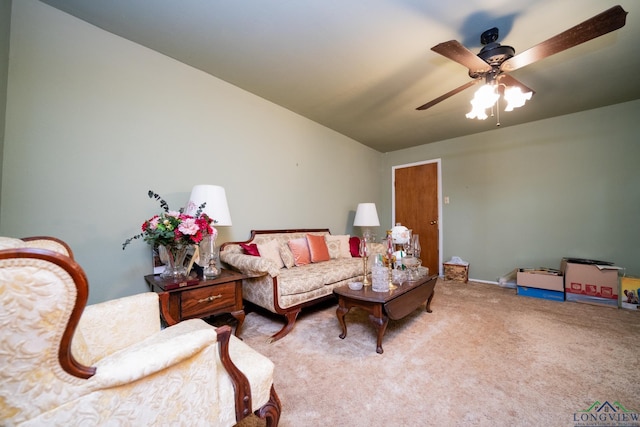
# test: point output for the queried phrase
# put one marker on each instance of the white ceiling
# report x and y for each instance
(361, 67)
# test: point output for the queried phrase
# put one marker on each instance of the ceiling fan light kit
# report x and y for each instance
(494, 61)
(487, 96)
(515, 97)
(484, 98)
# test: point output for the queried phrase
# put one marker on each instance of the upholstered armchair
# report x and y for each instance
(112, 363)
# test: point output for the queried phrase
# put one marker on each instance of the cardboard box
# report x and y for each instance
(591, 282)
(629, 291)
(541, 278)
(540, 293)
(456, 272)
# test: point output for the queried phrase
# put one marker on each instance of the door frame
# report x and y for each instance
(393, 202)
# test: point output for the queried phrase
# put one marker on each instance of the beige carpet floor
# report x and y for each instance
(484, 357)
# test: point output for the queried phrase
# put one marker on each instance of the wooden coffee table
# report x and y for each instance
(382, 306)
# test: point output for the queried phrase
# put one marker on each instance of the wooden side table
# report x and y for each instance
(206, 297)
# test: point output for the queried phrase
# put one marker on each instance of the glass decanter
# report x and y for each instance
(209, 257)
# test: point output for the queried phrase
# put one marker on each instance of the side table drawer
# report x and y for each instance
(208, 301)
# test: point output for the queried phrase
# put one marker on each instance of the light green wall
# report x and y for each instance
(94, 121)
(529, 195)
(5, 26)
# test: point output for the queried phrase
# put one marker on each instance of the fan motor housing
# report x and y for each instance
(495, 53)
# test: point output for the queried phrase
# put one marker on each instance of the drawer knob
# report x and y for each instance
(210, 298)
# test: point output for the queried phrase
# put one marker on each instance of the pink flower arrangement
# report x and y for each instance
(172, 228)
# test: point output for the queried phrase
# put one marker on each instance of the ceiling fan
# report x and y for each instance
(494, 61)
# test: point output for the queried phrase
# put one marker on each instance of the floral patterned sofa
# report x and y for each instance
(281, 280)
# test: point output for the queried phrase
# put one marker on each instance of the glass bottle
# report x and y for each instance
(209, 257)
(407, 244)
(390, 250)
(364, 247)
(416, 246)
(391, 259)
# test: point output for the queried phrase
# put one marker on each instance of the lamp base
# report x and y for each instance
(391, 284)
(365, 276)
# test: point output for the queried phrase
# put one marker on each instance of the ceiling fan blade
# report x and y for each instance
(460, 54)
(601, 24)
(447, 95)
(510, 81)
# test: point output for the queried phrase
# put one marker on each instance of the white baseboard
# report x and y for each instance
(510, 285)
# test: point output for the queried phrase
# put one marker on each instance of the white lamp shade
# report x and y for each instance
(216, 203)
(366, 215)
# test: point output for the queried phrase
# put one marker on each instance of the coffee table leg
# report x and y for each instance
(428, 308)
(341, 311)
(380, 323)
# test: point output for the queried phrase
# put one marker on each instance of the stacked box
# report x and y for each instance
(456, 272)
(591, 282)
(544, 283)
(629, 291)
(540, 293)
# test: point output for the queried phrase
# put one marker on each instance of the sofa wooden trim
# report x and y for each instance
(290, 313)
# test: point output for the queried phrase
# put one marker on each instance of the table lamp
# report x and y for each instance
(217, 209)
(216, 203)
(366, 217)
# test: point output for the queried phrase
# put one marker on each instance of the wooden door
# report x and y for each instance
(416, 207)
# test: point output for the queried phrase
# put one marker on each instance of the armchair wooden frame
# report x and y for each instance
(53, 239)
(270, 411)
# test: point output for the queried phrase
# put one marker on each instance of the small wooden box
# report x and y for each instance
(456, 272)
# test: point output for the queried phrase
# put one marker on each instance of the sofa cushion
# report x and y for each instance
(342, 269)
(300, 249)
(287, 255)
(333, 246)
(343, 245)
(301, 279)
(250, 249)
(354, 246)
(315, 276)
(317, 248)
(271, 250)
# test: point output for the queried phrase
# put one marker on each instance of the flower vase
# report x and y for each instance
(175, 255)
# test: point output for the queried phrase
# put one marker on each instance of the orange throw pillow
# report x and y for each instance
(318, 248)
(300, 250)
